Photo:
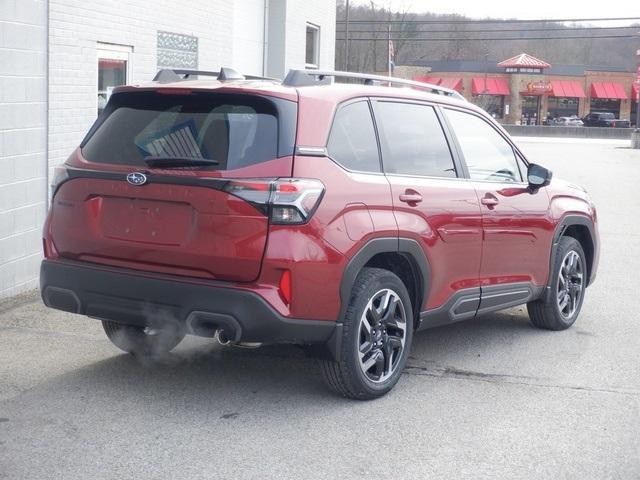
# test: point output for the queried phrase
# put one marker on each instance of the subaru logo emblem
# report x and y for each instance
(137, 178)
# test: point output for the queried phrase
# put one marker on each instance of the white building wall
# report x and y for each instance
(287, 29)
(229, 33)
(23, 92)
(322, 14)
(249, 36)
(78, 26)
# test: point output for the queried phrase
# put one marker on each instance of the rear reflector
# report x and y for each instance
(285, 287)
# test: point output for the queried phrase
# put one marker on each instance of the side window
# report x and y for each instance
(487, 154)
(413, 142)
(352, 141)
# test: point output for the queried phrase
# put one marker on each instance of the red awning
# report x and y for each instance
(454, 83)
(567, 88)
(610, 90)
(495, 86)
(422, 78)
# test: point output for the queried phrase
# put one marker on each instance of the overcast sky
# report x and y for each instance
(522, 9)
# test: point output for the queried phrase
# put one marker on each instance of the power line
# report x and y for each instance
(494, 30)
(543, 20)
(475, 39)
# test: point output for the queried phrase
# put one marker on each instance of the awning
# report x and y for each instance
(422, 78)
(567, 88)
(495, 86)
(454, 83)
(608, 90)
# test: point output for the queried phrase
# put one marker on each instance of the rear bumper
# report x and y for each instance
(128, 297)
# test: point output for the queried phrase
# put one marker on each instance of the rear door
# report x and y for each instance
(186, 210)
(516, 222)
(432, 203)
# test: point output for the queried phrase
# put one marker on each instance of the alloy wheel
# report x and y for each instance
(570, 284)
(382, 335)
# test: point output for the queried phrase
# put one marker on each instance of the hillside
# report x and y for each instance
(457, 40)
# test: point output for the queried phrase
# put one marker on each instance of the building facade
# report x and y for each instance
(60, 60)
(526, 90)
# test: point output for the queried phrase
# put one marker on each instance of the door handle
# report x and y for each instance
(489, 200)
(411, 197)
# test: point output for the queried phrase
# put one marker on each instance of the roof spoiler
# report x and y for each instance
(167, 75)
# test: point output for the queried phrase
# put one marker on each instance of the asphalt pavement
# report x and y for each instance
(488, 398)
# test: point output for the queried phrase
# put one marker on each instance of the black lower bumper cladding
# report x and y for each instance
(128, 297)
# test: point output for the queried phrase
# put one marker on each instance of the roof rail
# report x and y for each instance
(304, 78)
(175, 75)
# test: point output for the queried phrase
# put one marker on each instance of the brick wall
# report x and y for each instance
(23, 66)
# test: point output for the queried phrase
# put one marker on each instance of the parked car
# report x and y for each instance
(568, 122)
(342, 218)
(604, 119)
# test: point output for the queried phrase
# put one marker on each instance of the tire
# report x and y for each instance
(141, 341)
(557, 310)
(378, 321)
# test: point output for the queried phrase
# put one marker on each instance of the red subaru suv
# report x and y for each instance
(340, 217)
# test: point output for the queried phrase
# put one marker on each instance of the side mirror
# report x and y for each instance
(538, 176)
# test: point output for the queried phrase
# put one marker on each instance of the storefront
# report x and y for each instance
(607, 97)
(527, 90)
(489, 93)
(564, 99)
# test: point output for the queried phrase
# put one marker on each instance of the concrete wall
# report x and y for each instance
(23, 140)
(569, 132)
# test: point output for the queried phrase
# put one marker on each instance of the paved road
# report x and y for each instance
(491, 398)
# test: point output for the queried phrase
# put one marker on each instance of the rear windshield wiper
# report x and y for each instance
(169, 162)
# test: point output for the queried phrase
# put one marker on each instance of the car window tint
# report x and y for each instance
(413, 140)
(352, 142)
(235, 130)
(487, 154)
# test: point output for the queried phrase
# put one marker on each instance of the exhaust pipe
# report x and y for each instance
(221, 337)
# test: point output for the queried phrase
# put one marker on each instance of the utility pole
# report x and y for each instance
(635, 135)
(637, 99)
(389, 51)
(346, 39)
(486, 72)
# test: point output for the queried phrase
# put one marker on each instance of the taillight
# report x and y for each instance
(60, 175)
(287, 201)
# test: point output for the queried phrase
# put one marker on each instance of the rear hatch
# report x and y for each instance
(165, 182)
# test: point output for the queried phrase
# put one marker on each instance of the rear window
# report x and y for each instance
(234, 130)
